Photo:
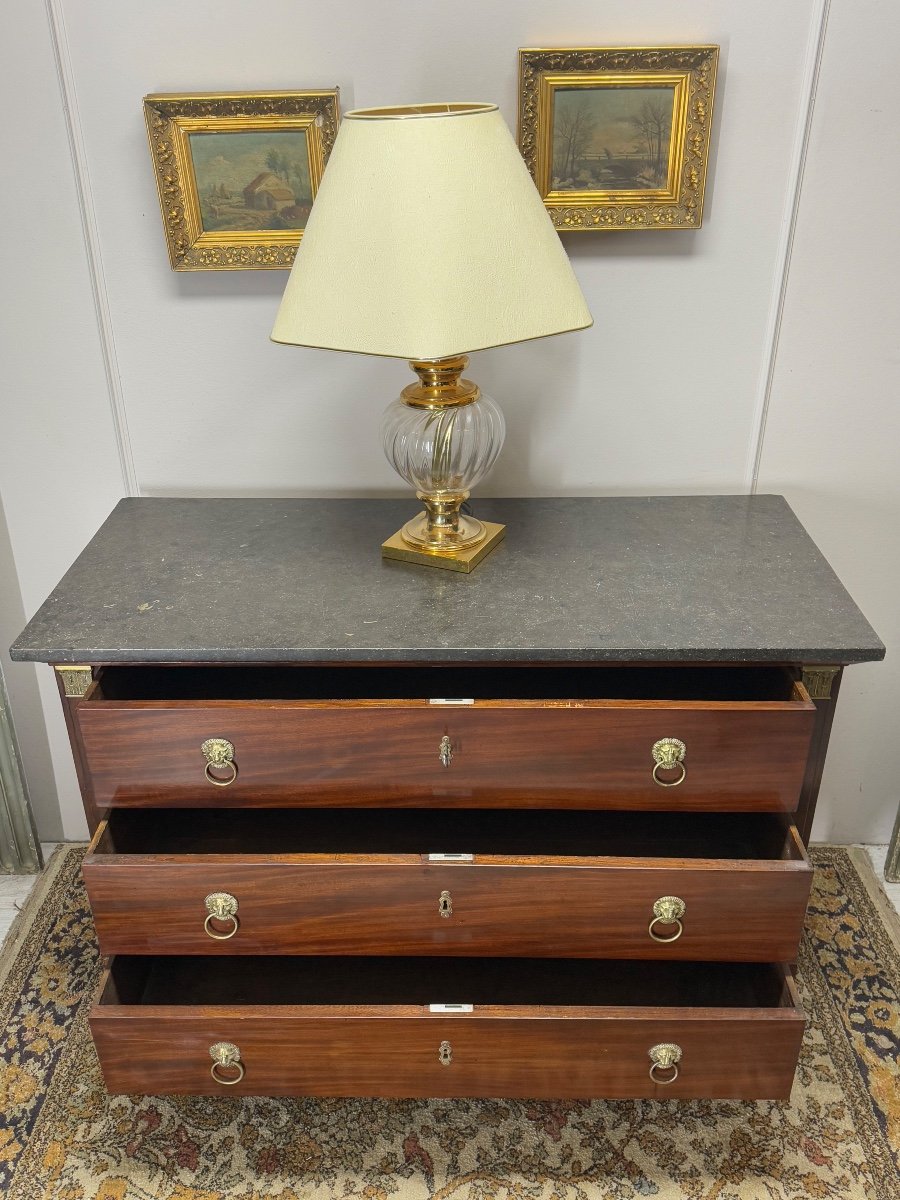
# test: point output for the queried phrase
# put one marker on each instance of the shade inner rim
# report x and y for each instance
(416, 111)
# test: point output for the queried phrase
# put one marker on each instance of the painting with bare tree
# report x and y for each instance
(614, 138)
(249, 180)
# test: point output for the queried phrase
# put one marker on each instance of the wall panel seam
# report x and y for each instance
(91, 237)
(816, 45)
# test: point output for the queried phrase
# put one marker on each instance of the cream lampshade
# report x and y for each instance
(428, 240)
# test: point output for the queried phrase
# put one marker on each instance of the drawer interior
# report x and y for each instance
(183, 980)
(754, 836)
(478, 682)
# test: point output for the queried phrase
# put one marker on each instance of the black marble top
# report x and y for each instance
(602, 579)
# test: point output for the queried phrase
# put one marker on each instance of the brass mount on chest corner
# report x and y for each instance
(75, 679)
(819, 679)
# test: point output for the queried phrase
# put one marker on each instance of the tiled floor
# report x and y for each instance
(878, 854)
(15, 889)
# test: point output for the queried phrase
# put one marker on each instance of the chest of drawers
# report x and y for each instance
(538, 831)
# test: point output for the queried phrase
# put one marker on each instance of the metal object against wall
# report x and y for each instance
(20, 850)
(892, 863)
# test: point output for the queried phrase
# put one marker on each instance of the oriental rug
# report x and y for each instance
(62, 1137)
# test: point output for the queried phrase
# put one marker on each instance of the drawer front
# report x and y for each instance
(750, 911)
(739, 1054)
(586, 755)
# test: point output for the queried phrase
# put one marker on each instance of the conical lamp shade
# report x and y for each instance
(427, 239)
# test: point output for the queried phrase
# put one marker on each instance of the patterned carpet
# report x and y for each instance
(63, 1137)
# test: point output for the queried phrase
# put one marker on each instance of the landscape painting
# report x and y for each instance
(611, 138)
(252, 180)
(236, 173)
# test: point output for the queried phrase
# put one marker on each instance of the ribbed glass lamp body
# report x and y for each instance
(443, 449)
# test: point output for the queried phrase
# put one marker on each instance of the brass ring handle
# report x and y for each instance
(668, 754)
(445, 751)
(219, 755)
(668, 910)
(672, 783)
(226, 1056)
(659, 921)
(221, 782)
(664, 1057)
(221, 906)
(221, 937)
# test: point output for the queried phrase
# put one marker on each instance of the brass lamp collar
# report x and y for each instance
(440, 384)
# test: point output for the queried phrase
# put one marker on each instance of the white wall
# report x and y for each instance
(666, 393)
(193, 350)
(833, 428)
(60, 469)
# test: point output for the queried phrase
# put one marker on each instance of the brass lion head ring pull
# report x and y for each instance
(227, 1067)
(668, 754)
(667, 911)
(221, 907)
(664, 1060)
(219, 755)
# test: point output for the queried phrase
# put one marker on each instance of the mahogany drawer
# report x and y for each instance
(427, 882)
(580, 737)
(382, 1027)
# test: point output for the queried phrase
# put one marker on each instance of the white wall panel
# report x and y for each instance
(59, 459)
(833, 425)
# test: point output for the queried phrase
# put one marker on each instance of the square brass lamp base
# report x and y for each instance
(462, 560)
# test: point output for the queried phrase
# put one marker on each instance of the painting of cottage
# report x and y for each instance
(252, 180)
(612, 138)
(268, 192)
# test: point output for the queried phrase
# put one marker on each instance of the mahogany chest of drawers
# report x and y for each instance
(365, 829)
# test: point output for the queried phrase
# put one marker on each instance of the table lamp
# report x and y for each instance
(428, 240)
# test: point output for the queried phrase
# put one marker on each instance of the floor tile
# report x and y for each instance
(878, 855)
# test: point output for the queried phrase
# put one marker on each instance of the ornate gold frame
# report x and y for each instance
(692, 70)
(172, 118)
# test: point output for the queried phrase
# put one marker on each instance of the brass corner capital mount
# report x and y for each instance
(75, 678)
(818, 679)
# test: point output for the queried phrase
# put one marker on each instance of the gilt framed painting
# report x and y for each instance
(237, 173)
(618, 138)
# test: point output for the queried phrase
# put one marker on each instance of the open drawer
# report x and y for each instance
(701, 738)
(464, 1027)
(428, 882)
